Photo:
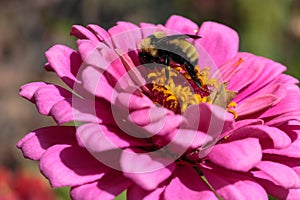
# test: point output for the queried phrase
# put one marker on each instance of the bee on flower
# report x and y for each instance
(166, 112)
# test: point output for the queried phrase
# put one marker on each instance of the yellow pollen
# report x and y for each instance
(160, 77)
(232, 104)
(181, 97)
(171, 98)
(204, 75)
(230, 108)
(226, 137)
(235, 115)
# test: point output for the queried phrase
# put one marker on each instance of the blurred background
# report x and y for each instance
(269, 28)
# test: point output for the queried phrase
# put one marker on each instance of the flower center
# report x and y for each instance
(175, 89)
(172, 93)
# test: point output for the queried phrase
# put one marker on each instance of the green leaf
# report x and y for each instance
(121, 196)
(62, 193)
(272, 198)
(73, 123)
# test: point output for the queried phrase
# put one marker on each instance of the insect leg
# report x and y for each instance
(166, 63)
(190, 69)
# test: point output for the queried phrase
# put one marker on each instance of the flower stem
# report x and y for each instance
(207, 183)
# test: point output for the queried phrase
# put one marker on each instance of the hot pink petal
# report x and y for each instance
(283, 118)
(133, 101)
(247, 73)
(78, 110)
(143, 170)
(240, 124)
(101, 33)
(292, 129)
(208, 118)
(266, 134)
(272, 189)
(288, 104)
(146, 116)
(164, 126)
(82, 33)
(35, 143)
(135, 192)
(93, 77)
(293, 194)
(182, 25)
(27, 91)
(234, 186)
(280, 174)
(65, 62)
(277, 89)
(133, 77)
(221, 42)
(100, 138)
(286, 79)
(271, 70)
(178, 142)
(186, 183)
(125, 35)
(255, 104)
(66, 165)
(102, 58)
(47, 96)
(184, 139)
(243, 123)
(291, 151)
(247, 122)
(230, 68)
(62, 111)
(271, 185)
(235, 155)
(108, 187)
(147, 29)
(109, 71)
(90, 52)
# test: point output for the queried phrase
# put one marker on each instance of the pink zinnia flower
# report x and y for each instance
(157, 133)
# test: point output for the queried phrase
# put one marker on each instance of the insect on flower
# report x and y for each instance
(174, 51)
(133, 129)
